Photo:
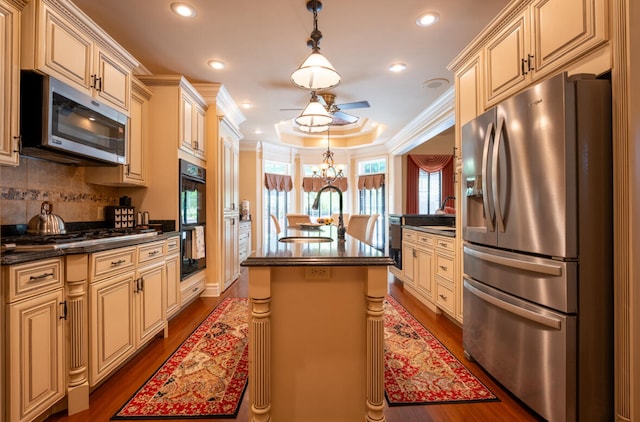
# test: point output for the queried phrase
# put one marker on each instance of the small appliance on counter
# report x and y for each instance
(120, 217)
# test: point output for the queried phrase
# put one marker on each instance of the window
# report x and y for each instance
(372, 199)
(329, 204)
(276, 203)
(430, 191)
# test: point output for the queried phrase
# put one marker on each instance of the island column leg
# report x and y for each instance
(260, 345)
(376, 292)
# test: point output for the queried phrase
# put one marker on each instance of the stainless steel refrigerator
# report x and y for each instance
(537, 229)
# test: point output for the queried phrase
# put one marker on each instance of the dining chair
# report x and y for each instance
(295, 219)
(371, 225)
(358, 226)
(335, 217)
(276, 224)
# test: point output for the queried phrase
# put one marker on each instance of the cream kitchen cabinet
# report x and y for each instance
(417, 265)
(9, 83)
(35, 359)
(192, 119)
(447, 291)
(134, 173)
(231, 250)
(244, 240)
(539, 40)
(231, 152)
(61, 41)
(150, 291)
(172, 276)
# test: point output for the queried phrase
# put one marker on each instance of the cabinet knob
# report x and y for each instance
(443, 268)
(443, 297)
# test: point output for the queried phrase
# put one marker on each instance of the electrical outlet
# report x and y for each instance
(317, 273)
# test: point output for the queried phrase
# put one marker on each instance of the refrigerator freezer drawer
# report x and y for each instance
(544, 281)
(528, 349)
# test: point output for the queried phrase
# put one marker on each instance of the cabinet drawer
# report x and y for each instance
(446, 244)
(444, 266)
(33, 278)
(444, 295)
(112, 262)
(424, 239)
(150, 251)
(173, 244)
(409, 235)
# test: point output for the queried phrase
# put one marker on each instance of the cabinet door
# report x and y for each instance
(231, 252)
(186, 122)
(424, 272)
(68, 52)
(408, 263)
(150, 302)
(135, 170)
(9, 83)
(228, 174)
(506, 58)
(35, 360)
(198, 125)
(172, 280)
(111, 81)
(469, 91)
(112, 322)
(564, 29)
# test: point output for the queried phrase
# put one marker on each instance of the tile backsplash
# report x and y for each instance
(23, 188)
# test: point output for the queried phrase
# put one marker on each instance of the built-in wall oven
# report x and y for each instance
(192, 218)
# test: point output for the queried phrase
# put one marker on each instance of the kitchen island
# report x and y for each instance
(316, 328)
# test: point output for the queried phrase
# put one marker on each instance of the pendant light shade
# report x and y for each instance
(312, 129)
(314, 114)
(315, 73)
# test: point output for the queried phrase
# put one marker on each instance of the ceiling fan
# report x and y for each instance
(340, 118)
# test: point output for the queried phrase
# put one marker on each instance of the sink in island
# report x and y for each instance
(316, 333)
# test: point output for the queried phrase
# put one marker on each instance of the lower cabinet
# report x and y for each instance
(35, 314)
(149, 302)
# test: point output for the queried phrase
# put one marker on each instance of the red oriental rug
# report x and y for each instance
(418, 369)
(207, 376)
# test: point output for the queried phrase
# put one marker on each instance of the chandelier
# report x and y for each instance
(315, 73)
(328, 172)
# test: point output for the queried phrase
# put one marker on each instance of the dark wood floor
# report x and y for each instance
(112, 394)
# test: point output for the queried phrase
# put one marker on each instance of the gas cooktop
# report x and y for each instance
(34, 242)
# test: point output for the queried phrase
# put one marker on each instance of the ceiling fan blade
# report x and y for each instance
(340, 118)
(290, 109)
(356, 104)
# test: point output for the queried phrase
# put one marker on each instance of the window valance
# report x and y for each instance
(370, 181)
(431, 163)
(278, 182)
(314, 184)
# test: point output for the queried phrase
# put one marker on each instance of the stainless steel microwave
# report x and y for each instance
(59, 123)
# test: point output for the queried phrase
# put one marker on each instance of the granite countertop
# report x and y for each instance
(13, 257)
(439, 230)
(350, 252)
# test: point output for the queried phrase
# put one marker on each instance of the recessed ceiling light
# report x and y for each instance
(216, 64)
(257, 132)
(246, 105)
(398, 67)
(183, 9)
(427, 19)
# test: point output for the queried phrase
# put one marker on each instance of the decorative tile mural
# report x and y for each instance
(24, 188)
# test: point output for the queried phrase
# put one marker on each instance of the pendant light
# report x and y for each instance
(314, 114)
(328, 171)
(315, 73)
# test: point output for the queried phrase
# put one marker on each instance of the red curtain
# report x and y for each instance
(428, 163)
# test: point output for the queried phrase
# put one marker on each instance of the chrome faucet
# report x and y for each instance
(341, 229)
(444, 202)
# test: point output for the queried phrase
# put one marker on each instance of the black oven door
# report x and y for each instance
(395, 240)
(192, 218)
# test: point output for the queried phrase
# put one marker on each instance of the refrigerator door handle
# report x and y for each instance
(516, 310)
(488, 211)
(494, 175)
(536, 267)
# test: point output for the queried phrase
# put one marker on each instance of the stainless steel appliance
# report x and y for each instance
(75, 239)
(192, 217)
(59, 123)
(537, 226)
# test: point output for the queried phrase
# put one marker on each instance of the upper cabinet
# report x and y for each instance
(9, 83)
(538, 41)
(59, 40)
(529, 41)
(192, 117)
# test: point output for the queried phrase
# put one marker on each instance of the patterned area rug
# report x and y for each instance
(207, 375)
(418, 369)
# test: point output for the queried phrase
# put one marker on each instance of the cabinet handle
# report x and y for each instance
(40, 277)
(18, 146)
(94, 79)
(118, 262)
(99, 83)
(443, 297)
(64, 310)
(443, 268)
(195, 145)
(522, 63)
(444, 245)
(414, 254)
(141, 284)
(153, 253)
(529, 61)
(128, 171)
(195, 289)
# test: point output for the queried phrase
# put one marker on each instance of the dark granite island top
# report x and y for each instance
(350, 252)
